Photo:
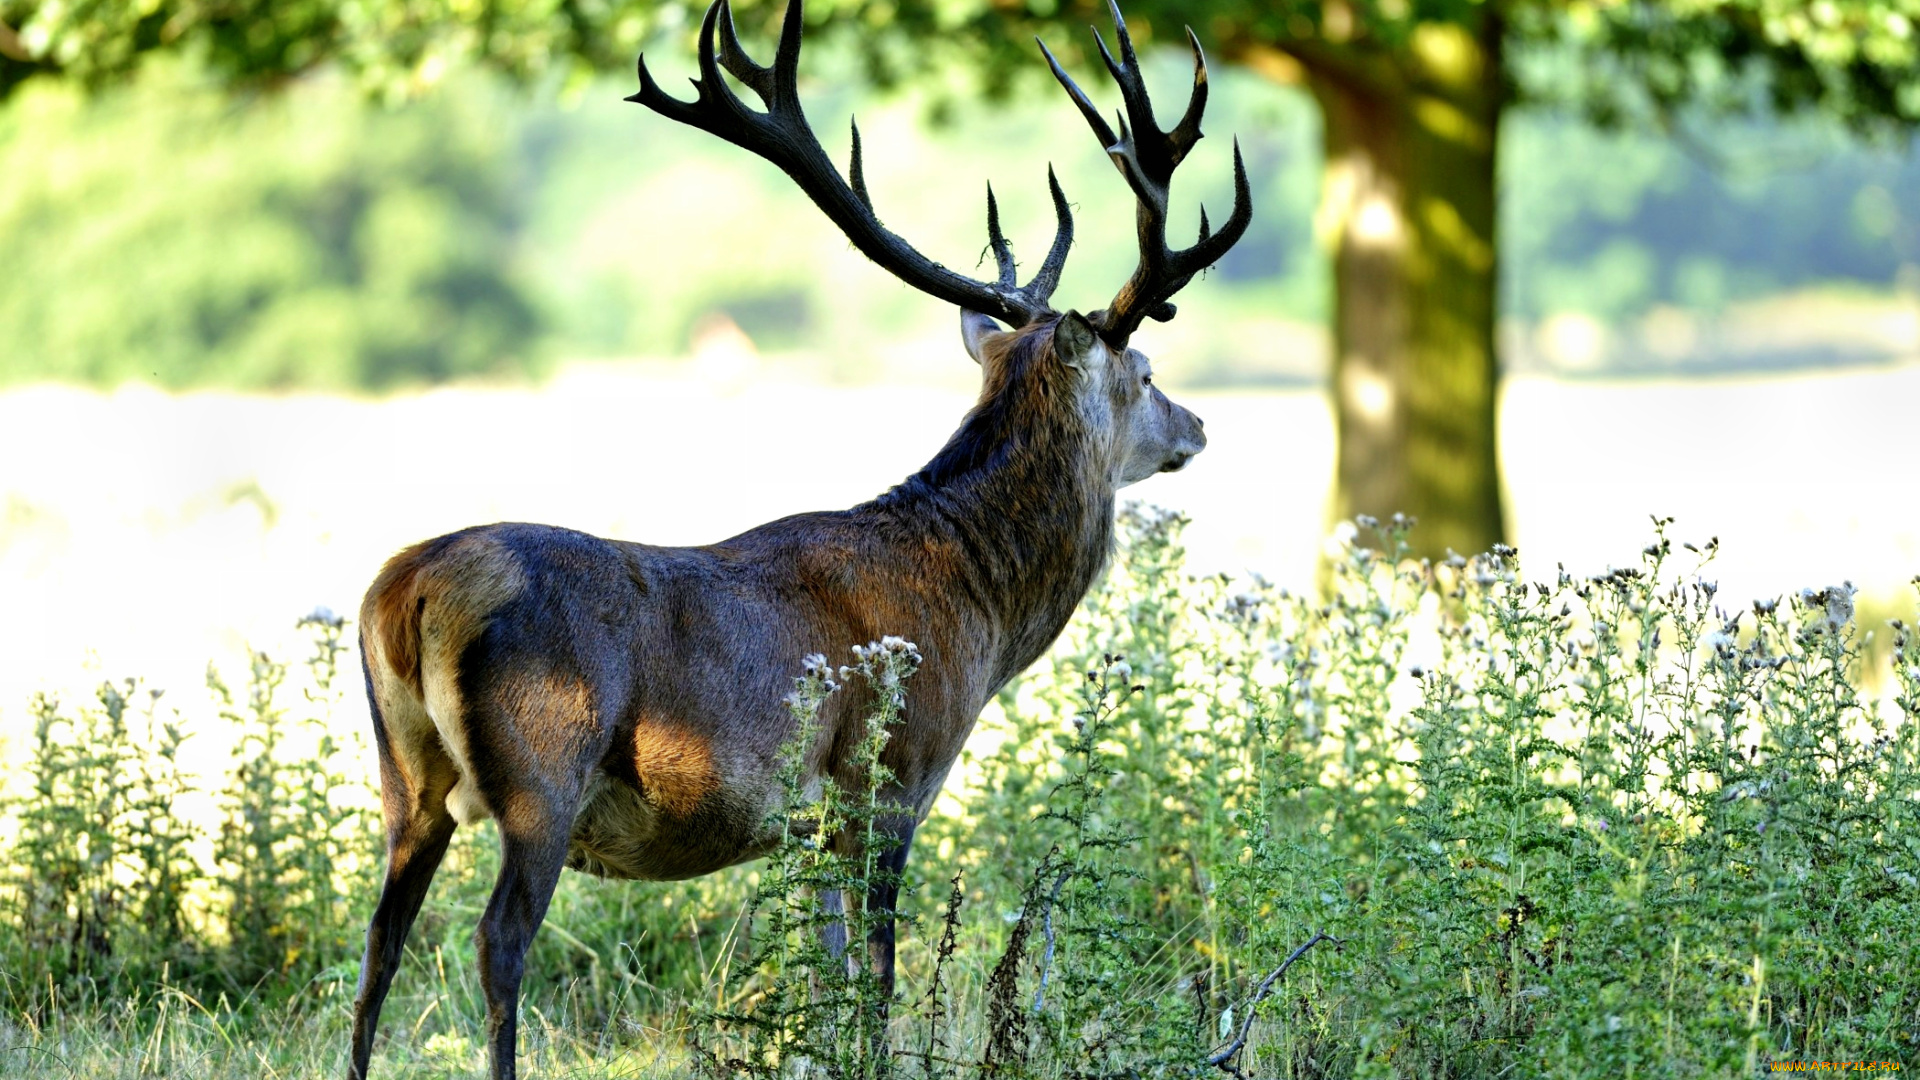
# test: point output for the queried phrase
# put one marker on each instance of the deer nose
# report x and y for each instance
(1188, 441)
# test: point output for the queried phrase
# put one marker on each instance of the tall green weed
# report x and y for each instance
(1459, 818)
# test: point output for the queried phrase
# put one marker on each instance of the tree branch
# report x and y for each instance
(12, 47)
(1292, 59)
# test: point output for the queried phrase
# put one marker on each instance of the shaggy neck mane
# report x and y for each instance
(1023, 490)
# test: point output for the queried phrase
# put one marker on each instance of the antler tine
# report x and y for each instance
(782, 136)
(735, 58)
(1133, 94)
(997, 241)
(1094, 119)
(1172, 145)
(1163, 271)
(659, 100)
(716, 109)
(1047, 277)
(856, 174)
(1187, 131)
(786, 59)
(1237, 220)
(712, 86)
(1147, 156)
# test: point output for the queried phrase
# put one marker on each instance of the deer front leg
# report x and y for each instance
(833, 923)
(883, 892)
(893, 835)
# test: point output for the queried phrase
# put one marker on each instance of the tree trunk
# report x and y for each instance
(1408, 209)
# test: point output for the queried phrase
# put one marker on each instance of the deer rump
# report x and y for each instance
(649, 682)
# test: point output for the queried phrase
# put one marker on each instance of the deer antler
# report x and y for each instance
(1147, 156)
(781, 135)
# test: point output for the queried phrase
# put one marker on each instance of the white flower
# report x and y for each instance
(1832, 605)
(324, 616)
(1719, 641)
(1840, 606)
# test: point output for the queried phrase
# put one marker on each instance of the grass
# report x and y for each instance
(1469, 819)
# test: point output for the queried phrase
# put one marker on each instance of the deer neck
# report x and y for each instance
(1022, 501)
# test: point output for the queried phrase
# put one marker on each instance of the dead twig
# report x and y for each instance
(1046, 960)
(1223, 1058)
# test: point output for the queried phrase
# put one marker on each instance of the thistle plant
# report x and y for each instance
(295, 844)
(820, 1008)
(95, 870)
(1477, 816)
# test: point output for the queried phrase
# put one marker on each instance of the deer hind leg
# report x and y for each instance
(534, 740)
(415, 776)
(532, 851)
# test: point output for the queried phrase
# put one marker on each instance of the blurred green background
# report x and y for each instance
(1449, 190)
(174, 233)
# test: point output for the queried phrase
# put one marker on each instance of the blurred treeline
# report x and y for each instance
(174, 234)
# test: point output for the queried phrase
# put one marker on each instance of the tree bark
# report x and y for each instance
(1408, 210)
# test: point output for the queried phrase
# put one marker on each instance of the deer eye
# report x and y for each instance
(1146, 380)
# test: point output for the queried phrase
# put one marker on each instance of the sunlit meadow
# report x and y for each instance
(1637, 800)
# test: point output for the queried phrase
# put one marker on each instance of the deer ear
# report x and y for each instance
(974, 328)
(1074, 341)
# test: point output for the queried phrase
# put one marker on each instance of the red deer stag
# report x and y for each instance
(617, 708)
